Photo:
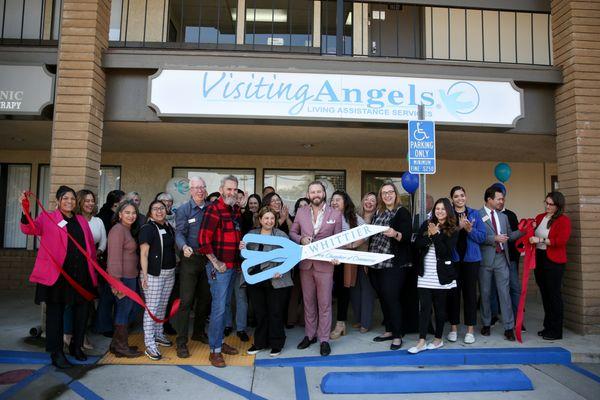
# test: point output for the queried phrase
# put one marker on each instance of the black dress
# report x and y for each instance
(75, 265)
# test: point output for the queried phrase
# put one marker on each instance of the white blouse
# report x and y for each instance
(430, 278)
(99, 233)
(542, 231)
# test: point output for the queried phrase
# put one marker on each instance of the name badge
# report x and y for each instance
(486, 218)
(162, 231)
(191, 220)
(331, 221)
(62, 224)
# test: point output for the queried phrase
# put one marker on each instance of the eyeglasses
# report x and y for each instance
(156, 209)
(549, 204)
(197, 187)
(388, 193)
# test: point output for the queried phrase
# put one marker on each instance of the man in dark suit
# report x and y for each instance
(495, 261)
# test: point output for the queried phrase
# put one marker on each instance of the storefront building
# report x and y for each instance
(130, 94)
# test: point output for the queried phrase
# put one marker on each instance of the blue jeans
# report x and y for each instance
(514, 289)
(241, 304)
(124, 306)
(104, 313)
(219, 288)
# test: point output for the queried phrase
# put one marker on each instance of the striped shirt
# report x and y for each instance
(430, 279)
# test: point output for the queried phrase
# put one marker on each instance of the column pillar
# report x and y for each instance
(80, 92)
(576, 45)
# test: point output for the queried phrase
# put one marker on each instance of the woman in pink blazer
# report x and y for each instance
(56, 253)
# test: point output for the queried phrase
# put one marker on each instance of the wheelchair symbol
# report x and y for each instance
(419, 134)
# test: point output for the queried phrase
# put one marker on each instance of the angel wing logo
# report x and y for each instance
(461, 98)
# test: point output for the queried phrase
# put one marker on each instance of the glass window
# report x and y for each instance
(328, 27)
(110, 179)
(206, 21)
(18, 178)
(213, 176)
(292, 184)
(279, 22)
(372, 181)
(116, 12)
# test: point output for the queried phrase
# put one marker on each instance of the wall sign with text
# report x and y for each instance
(25, 89)
(276, 95)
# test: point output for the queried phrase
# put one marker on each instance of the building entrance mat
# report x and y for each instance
(198, 354)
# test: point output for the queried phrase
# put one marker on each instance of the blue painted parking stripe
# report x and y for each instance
(583, 371)
(534, 355)
(220, 382)
(36, 357)
(435, 381)
(21, 384)
(300, 384)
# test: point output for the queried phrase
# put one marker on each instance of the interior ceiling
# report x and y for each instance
(288, 140)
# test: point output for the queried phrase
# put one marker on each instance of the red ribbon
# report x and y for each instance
(113, 282)
(523, 246)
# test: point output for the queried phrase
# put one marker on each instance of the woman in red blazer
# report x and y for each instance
(58, 253)
(553, 229)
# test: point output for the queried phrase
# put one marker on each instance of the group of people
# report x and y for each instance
(193, 253)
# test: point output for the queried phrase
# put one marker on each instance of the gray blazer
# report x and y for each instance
(286, 279)
(488, 247)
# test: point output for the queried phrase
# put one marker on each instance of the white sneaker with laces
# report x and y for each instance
(452, 336)
(433, 346)
(469, 338)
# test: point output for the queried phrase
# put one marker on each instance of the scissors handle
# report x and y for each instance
(289, 253)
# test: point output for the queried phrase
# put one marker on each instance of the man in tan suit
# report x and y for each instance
(315, 222)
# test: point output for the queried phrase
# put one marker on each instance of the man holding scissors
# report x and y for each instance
(312, 223)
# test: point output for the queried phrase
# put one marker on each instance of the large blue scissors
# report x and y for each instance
(289, 253)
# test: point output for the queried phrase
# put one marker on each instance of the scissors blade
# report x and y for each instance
(341, 239)
(352, 257)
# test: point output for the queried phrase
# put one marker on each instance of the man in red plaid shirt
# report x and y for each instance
(219, 240)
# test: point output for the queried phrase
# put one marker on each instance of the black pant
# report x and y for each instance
(341, 292)
(468, 276)
(194, 294)
(54, 325)
(388, 283)
(437, 297)
(269, 304)
(549, 276)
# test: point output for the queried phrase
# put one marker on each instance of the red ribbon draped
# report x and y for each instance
(113, 282)
(523, 246)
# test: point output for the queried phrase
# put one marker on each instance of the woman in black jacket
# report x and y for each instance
(435, 241)
(388, 277)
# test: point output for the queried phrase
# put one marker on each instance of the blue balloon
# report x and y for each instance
(502, 172)
(500, 186)
(410, 182)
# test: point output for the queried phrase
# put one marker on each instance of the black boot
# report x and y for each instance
(60, 361)
(76, 352)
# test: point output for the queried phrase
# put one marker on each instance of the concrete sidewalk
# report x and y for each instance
(18, 314)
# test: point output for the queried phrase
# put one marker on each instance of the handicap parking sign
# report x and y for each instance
(421, 147)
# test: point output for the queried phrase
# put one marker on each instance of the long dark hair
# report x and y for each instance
(449, 226)
(120, 208)
(81, 195)
(559, 201)
(149, 213)
(349, 210)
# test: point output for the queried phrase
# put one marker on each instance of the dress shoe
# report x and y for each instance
(548, 336)
(243, 336)
(227, 331)
(382, 338)
(509, 335)
(396, 346)
(216, 360)
(76, 352)
(200, 337)
(306, 342)
(182, 351)
(339, 331)
(60, 361)
(485, 331)
(227, 349)
(325, 349)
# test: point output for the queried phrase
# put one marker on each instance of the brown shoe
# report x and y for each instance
(227, 349)
(182, 351)
(216, 359)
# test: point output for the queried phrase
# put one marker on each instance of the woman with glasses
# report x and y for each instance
(553, 230)
(388, 277)
(157, 258)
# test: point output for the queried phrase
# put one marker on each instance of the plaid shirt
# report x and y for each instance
(380, 243)
(220, 233)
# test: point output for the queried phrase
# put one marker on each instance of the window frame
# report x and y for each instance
(3, 202)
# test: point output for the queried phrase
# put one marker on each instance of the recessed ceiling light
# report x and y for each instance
(308, 145)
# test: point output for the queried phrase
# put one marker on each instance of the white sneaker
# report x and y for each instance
(432, 346)
(452, 336)
(415, 349)
(469, 338)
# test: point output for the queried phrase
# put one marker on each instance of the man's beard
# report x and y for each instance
(317, 201)
(230, 201)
